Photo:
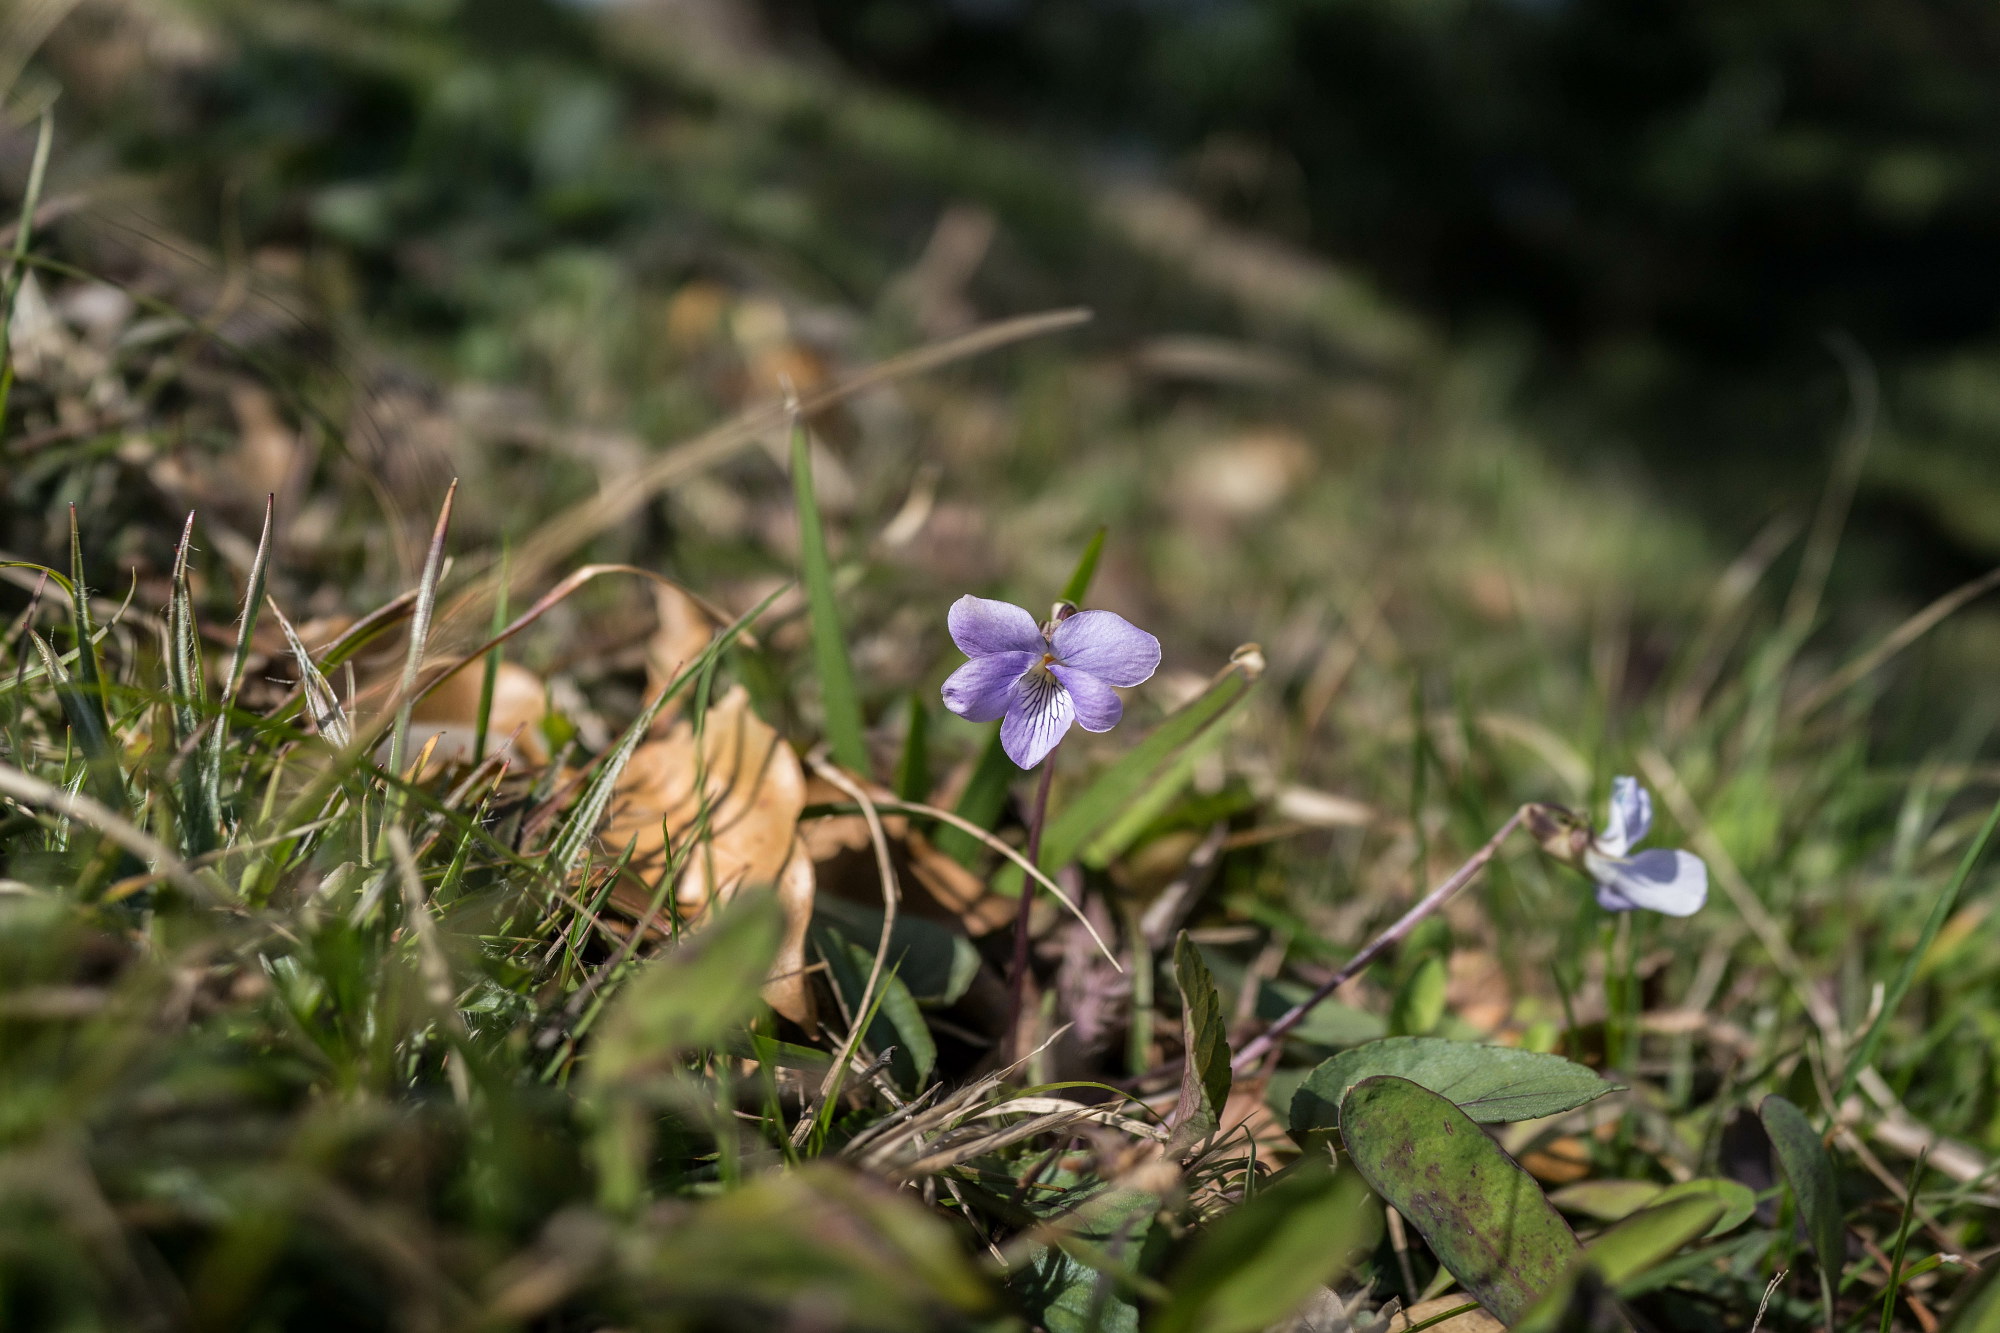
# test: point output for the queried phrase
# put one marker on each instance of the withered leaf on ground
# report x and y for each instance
(722, 810)
(685, 627)
(520, 702)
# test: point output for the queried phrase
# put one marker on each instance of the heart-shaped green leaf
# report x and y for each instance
(1491, 1084)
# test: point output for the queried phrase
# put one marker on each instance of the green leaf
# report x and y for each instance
(1205, 1075)
(1089, 1281)
(1262, 1260)
(1652, 1234)
(1627, 1251)
(1606, 1200)
(937, 964)
(691, 997)
(1809, 1172)
(897, 1020)
(1481, 1214)
(839, 695)
(1737, 1200)
(1614, 1200)
(1419, 1003)
(1492, 1085)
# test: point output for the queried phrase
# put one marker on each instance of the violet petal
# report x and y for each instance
(1108, 646)
(1040, 715)
(1674, 883)
(1098, 707)
(1630, 819)
(984, 688)
(981, 625)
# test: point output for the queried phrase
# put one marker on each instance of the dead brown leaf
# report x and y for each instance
(520, 702)
(738, 827)
(685, 628)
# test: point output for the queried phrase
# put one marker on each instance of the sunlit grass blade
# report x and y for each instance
(187, 689)
(24, 235)
(420, 631)
(321, 702)
(1078, 586)
(213, 750)
(1127, 781)
(840, 697)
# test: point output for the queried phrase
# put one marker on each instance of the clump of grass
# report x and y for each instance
(307, 1017)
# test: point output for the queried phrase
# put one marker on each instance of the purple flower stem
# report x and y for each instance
(1267, 1041)
(1017, 975)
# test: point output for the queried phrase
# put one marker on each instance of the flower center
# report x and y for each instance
(1041, 668)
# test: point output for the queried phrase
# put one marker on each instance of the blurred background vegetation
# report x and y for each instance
(1487, 361)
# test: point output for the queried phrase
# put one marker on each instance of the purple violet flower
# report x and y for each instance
(1660, 880)
(1041, 678)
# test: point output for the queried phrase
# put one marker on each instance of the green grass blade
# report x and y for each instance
(984, 797)
(1864, 1050)
(89, 672)
(913, 770)
(1116, 789)
(420, 633)
(187, 689)
(1079, 579)
(246, 626)
(839, 695)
